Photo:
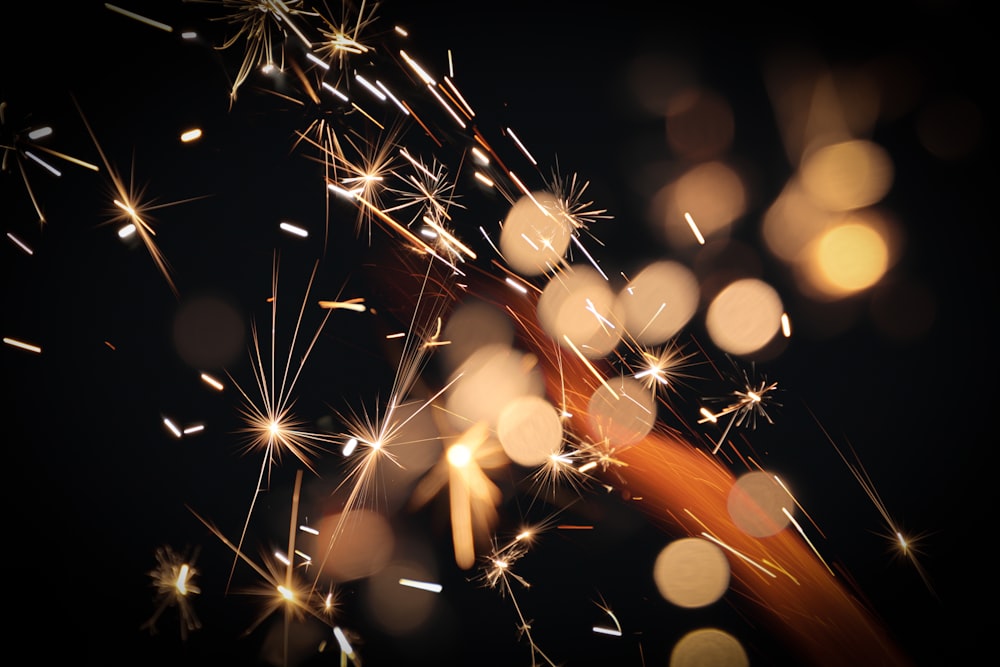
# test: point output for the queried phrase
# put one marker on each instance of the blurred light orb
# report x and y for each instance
(472, 325)
(847, 258)
(530, 430)
(487, 381)
(711, 192)
(659, 301)
(622, 412)
(363, 546)
(847, 175)
(579, 304)
(793, 221)
(535, 235)
(700, 124)
(400, 610)
(708, 647)
(208, 333)
(691, 572)
(757, 504)
(744, 316)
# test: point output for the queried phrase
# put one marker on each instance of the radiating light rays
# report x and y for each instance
(343, 39)
(751, 403)
(385, 436)
(572, 205)
(174, 580)
(361, 167)
(496, 571)
(131, 211)
(281, 587)
(271, 428)
(904, 545)
(262, 26)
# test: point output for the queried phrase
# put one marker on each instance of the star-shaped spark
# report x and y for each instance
(751, 404)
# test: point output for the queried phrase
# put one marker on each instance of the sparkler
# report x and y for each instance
(399, 182)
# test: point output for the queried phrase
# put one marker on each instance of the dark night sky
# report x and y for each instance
(94, 482)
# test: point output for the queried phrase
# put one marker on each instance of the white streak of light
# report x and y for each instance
(521, 146)
(607, 631)
(590, 366)
(480, 156)
(173, 429)
(402, 107)
(181, 583)
(309, 529)
(345, 646)
(694, 228)
(126, 231)
(294, 229)
(211, 381)
(197, 428)
(374, 91)
(43, 163)
(401, 31)
(422, 585)
(20, 244)
(808, 541)
(444, 103)
(516, 285)
(318, 61)
(24, 346)
(137, 17)
(708, 416)
(283, 558)
(737, 553)
(418, 69)
(191, 135)
(349, 447)
(786, 325)
(454, 89)
(335, 91)
(484, 179)
(40, 133)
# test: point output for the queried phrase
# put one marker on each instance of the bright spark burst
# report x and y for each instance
(271, 427)
(751, 404)
(342, 40)
(173, 579)
(263, 26)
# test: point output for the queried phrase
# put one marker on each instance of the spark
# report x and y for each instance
(138, 17)
(190, 135)
(751, 404)
(20, 244)
(269, 424)
(212, 382)
(30, 347)
(260, 24)
(421, 585)
(694, 228)
(173, 579)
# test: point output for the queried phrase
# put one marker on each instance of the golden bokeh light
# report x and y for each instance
(708, 647)
(659, 301)
(691, 572)
(622, 411)
(530, 430)
(712, 193)
(846, 259)
(700, 124)
(364, 544)
(744, 316)
(757, 504)
(579, 304)
(847, 175)
(535, 236)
